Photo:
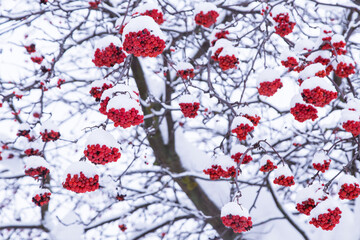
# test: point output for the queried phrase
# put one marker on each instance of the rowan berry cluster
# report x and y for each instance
(206, 19)
(101, 154)
(81, 184)
(41, 199)
(327, 221)
(189, 109)
(237, 223)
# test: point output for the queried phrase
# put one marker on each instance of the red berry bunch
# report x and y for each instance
(96, 92)
(253, 119)
(206, 19)
(48, 136)
(43, 1)
(37, 59)
(103, 105)
(303, 112)
(306, 206)
(120, 197)
(37, 172)
(189, 109)
(143, 43)
(344, 69)
(242, 130)
(285, 26)
(227, 62)
(349, 191)
(155, 14)
(30, 48)
(269, 88)
(322, 167)
(186, 74)
(352, 127)
(122, 227)
(327, 221)
(219, 35)
(41, 199)
(237, 223)
(95, 4)
(290, 63)
(101, 154)
(124, 118)
(245, 160)
(23, 133)
(32, 152)
(286, 181)
(216, 54)
(109, 56)
(216, 172)
(269, 166)
(318, 96)
(81, 184)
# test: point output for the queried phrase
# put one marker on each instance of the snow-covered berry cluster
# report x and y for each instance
(344, 67)
(302, 111)
(101, 147)
(36, 167)
(308, 198)
(236, 153)
(30, 48)
(109, 52)
(321, 162)
(189, 105)
(283, 176)
(34, 149)
(98, 87)
(326, 215)
(41, 198)
(218, 34)
(142, 37)
(81, 177)
(222, 168)
(349, 187)
(241, 126)
(24, 130)
(269, 82)
(151, 10)
(224, 53)
(284, 24)
(94, 4)
(289, 60)
(185, 70)
(236, 217)
(267, 164)
(206, 14)
(249, 113)
(350, 120)
(36, 57)
(317, 92)
(49, 135)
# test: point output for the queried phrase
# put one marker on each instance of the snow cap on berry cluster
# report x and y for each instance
(224, 161)
(281, 9)
(187, 98)
(268, 75)
(142, 8)
(263, 160)
(239, 149)
(323, 207)
(297, 99)
(313, 82)
(183, 66)
(343, 59)
(238, 120)
(35, 162)
(39, 191)
(311, 70)
(140, 23)
(353, 103)
(346, 178)
(120, 89)
(221, 43)
(319, 157)
(323, 54)
(336, 38)
(218, 29)
(36, 54)
(325, 32)
(246, 110)
(49, 125)
(303, 45)
(348, 115)
(101, 137)
(100, 83)
(106, 41)
(234, 209)
(37, 144)
(282, 170)
(24, 127)
(314, 191)
(123, 101)
(288, 54)
(205, 7)
(86, 168)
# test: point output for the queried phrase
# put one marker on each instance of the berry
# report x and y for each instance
(37, 59)
(186, 74)
(237, 223)
(96, 92)
(322, 167)
(81, 184)
(290, 63)
(189, 109)
(226, 62)
(109, 56)
(318, 97)
(143, 44)
(37, 172)
(124, 118)
(303, 112)
(286, 181)
(220, 35)
(216, 172)
(242, 130)
(122, 227)
(32, 152)
(206, 19)
(95, 4)
(352, 127)
(254, 119)
(41, 199)
(269, 88)
(269, 166)
(245, 160)
(49, 136)
(101, 154)
(30, 48)
(327, 221)
(155, 14)
(306, 206)
(284, 26)
(344, 70)
(349, 191)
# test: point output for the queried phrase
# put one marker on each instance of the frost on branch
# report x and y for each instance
(321, 162)
(81, 177)
(268, 82)
(349, 187)
(206, 14)
(301, 110)
(143, 37)
(101, 147)
(236, 217)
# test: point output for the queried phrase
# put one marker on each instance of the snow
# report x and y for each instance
(205, 7)
(319, 157)
(263, 159)
(337, 38)
(40, 191)
(140, 23)
(313, 191)
(344, 59)
(144, 7)
(311, 70)
(120, 89)
(349, 179)
(123, 101)
(183, 66)
(322, 53)
(224, 161)
(288, 54)
(353, 103)
(229, 51)
(303, 44)
(106, 41)
(314, 82)
(35, 162)
(119, 21)
(280, 8)
(24, 126)
(297, 99)
(86, 168)
(36, 54)
(69, 228)
(221, 43)
(101, 137)
(239, 149)
(187, 98)
(218, 29)
(238, 120)
(246, 110)
(323, 207)
(234, 209)
(100, 83)
(348, 115)
(49, 125)
(282, 170)
(267, 75)
(38, 144)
